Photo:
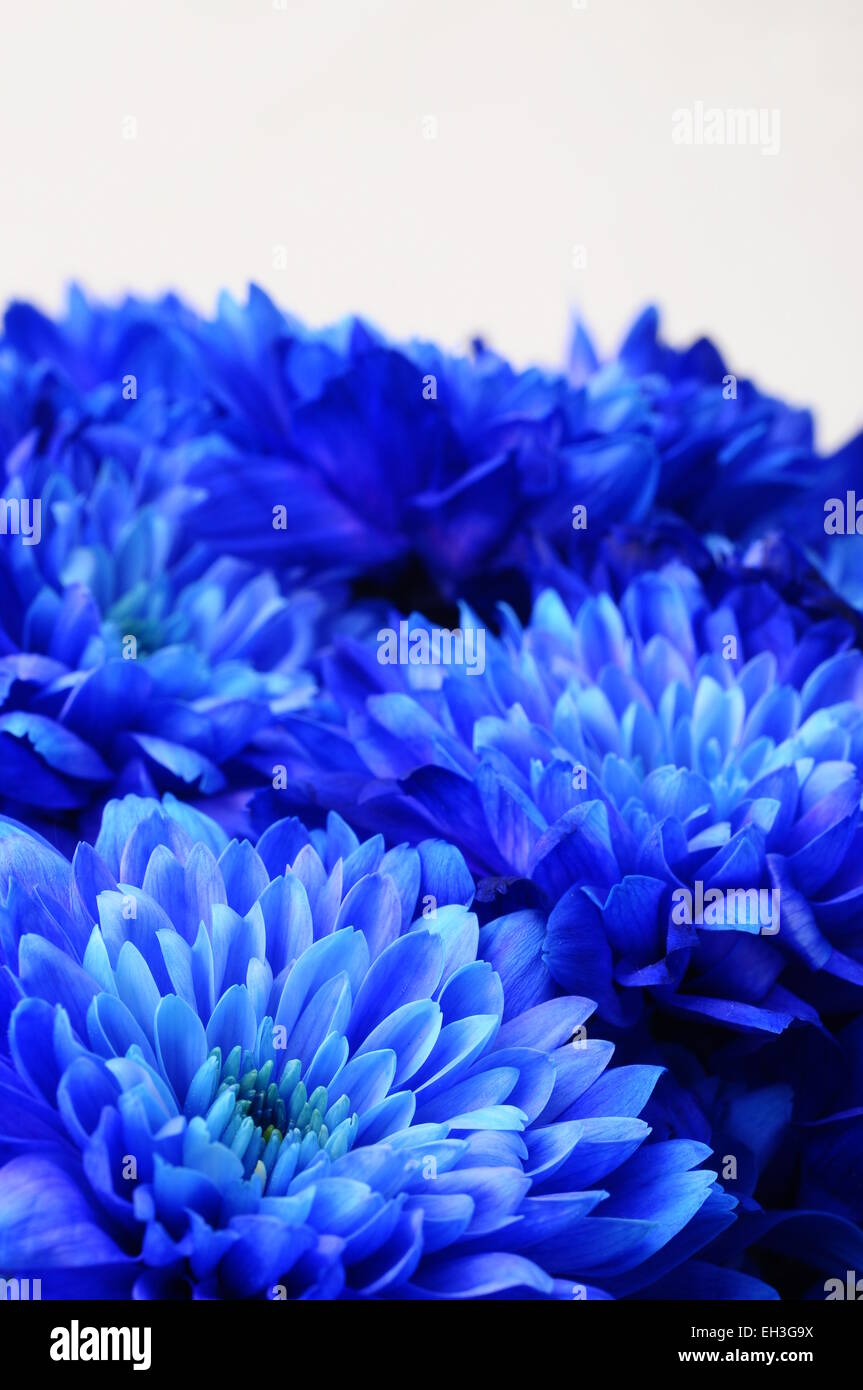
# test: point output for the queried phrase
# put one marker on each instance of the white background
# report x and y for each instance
(303, 128)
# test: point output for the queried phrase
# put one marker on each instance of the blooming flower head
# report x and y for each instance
(611, 770)
(131, 656)
(609, 761)
(441, 477)
(283, 1071)
(735, 461)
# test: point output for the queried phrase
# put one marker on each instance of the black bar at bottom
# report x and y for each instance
(263, 1339)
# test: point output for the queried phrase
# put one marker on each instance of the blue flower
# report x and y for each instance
(404, 467)
(610, 763)
(611, 758)
(415, 471)
(284, 1072)
(735, 461)
(132, 656)
(430, 477)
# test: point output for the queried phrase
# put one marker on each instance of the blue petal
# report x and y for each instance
(46, 1222)
(181, 1044)
(482, 1276)
(408, 969)
(49, 974)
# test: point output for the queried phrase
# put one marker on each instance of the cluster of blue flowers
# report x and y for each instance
(518, 956)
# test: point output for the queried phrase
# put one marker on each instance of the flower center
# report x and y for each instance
(272, 1123)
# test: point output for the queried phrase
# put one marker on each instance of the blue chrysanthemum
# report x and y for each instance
(605, 759)
(283, 1071)
(132, 656)
(734, 460)
(610, 762)
(447, 476)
